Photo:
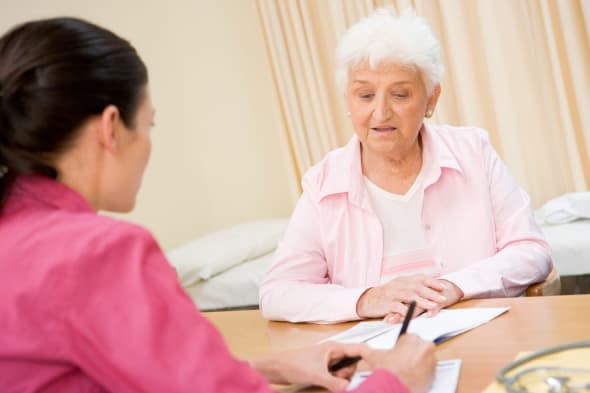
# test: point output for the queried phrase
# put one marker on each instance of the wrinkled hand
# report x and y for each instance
(309, 365)
(390, 299)
(412, 360)
(450, 292)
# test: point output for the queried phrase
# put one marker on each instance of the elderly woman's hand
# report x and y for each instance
(450, 291)
(452, 294)
(390, 299)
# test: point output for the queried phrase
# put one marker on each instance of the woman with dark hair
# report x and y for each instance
(89, 303)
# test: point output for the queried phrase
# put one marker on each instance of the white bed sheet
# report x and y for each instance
(570, 244)
(236, 287)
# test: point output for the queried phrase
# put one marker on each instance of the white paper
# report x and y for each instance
(362, 331)
(447, 323)
(446, 377)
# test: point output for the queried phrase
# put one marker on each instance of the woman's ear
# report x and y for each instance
(434, 97)
(107, 128)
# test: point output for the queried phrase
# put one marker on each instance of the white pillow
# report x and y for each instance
(216, 252)
(565, 208)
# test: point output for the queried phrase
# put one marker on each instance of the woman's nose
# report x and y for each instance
(382, 110)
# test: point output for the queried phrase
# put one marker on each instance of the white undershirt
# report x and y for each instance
(405, 249)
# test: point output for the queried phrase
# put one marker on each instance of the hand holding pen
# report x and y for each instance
(412, 359)
(349, 361)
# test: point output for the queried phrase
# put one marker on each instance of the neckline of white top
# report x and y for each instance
(397, 197)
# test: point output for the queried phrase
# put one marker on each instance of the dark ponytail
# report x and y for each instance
(54, 75)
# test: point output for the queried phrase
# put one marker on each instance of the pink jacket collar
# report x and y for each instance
(49, 192)
(343, 172)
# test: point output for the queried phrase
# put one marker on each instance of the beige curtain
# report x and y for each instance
(518, 68)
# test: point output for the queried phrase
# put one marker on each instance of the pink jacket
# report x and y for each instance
(477, 221)
(90, 304)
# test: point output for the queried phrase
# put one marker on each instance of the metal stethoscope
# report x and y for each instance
(556, 379)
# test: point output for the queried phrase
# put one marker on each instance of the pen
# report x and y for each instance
(407, 318)
(344, 362)
(349, 361)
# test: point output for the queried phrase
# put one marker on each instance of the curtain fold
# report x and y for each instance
(519, 69)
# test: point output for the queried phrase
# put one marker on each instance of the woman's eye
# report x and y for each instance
(400, 95)
(366, 96)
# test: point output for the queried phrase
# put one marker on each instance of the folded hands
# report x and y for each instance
(390, 300)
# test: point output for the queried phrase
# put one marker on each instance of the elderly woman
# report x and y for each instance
(90, 303)
(406, 210)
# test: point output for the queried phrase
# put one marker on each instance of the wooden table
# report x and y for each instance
(530, 324)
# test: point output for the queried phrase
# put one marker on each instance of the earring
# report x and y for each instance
(429, 112)
(348, 114)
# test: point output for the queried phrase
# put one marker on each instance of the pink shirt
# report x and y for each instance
(90, 304)
(478, 222)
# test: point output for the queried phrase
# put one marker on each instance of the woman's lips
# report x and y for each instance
(383, 129)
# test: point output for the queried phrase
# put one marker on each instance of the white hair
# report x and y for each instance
(383, 37)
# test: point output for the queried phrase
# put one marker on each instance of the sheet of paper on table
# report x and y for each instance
(446, 324)
(445, 379)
